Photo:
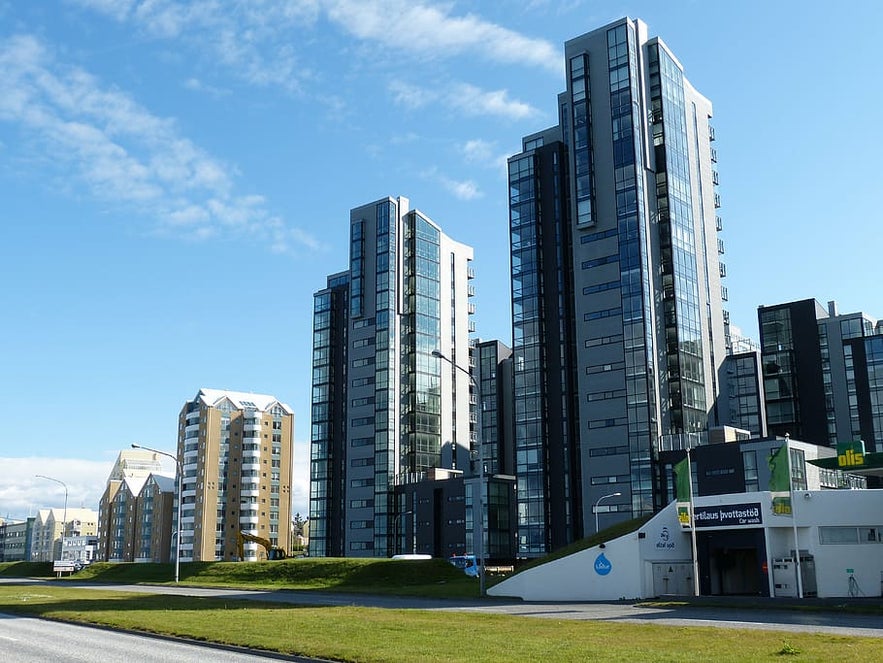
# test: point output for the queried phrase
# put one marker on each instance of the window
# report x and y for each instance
(749, 464)
(838, 535)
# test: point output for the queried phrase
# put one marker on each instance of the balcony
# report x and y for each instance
(710, 133)
(719, 222)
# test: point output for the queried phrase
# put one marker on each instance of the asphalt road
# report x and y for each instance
(741, 615)
(28, 640)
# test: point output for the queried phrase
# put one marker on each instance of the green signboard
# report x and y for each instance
(851, 454)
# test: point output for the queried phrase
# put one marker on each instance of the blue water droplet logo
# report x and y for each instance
(602, 565)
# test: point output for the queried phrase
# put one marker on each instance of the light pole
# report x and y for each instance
(479, 548)
(396, 529)
(180, 472)
(603, 497)
(64, 517)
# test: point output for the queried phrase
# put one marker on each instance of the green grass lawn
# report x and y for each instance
(431, 578)
(369, 635)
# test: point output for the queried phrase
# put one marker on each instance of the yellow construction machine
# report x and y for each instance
(273, 552)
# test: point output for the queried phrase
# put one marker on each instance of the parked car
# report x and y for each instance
(467, 563)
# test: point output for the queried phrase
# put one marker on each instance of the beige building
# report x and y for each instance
(236, 451)
(118, 515)
(51, 525)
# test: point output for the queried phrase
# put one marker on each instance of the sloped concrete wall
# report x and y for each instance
(622, 569)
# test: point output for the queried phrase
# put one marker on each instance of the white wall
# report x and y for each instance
(842, 508)
(630, 558)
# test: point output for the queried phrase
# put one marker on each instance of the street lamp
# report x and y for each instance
(396, 528)
(480, 546)
(180, 472)
(603, 497)
(64, 517)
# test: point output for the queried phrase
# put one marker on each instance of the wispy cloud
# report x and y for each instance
(251, 39)
(22, 493)
(461, 189)
(124, 154)
(430, 30)
(464, 98)
(257, 40)
(484, 153)
(197, 85)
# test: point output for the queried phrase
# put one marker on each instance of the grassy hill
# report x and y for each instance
(434, 578)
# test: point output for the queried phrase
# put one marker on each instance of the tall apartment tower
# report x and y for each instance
(385, 411)
(619, 329)
(823, 373)
(236, 451)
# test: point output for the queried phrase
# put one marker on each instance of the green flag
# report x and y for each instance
(683, 491)
(780, 481)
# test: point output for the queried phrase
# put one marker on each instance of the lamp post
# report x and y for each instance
(64, 517)
(396, 529)
(180, 472)
(603, 497)
(479, 548)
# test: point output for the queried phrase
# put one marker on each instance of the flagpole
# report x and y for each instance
(794, 518)
(693, 530)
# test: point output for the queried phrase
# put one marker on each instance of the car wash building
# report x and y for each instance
(820, 538)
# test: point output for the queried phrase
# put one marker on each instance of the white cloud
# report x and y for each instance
(411, 96)
(461, 189)
(252, 38)
(300, 479)
(122, 153)
(477, 150)
(475, 101)
(197, 85)
(256, 39)
(484, 153)
(464, 98)
(22, 493)
(431, 31)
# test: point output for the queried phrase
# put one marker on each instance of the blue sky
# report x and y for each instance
(176, 178)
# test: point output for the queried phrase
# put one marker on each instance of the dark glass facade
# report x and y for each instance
(619, 330)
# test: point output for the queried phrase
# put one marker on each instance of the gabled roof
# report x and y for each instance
(165, 483)
(135, 484)
(241, 400)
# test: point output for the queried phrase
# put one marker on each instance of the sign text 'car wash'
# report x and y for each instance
(728, 515)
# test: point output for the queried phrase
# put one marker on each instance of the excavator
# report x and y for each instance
(273, 552)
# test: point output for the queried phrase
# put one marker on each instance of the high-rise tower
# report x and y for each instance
(619, 329)
(385, 412)
(235, 450)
